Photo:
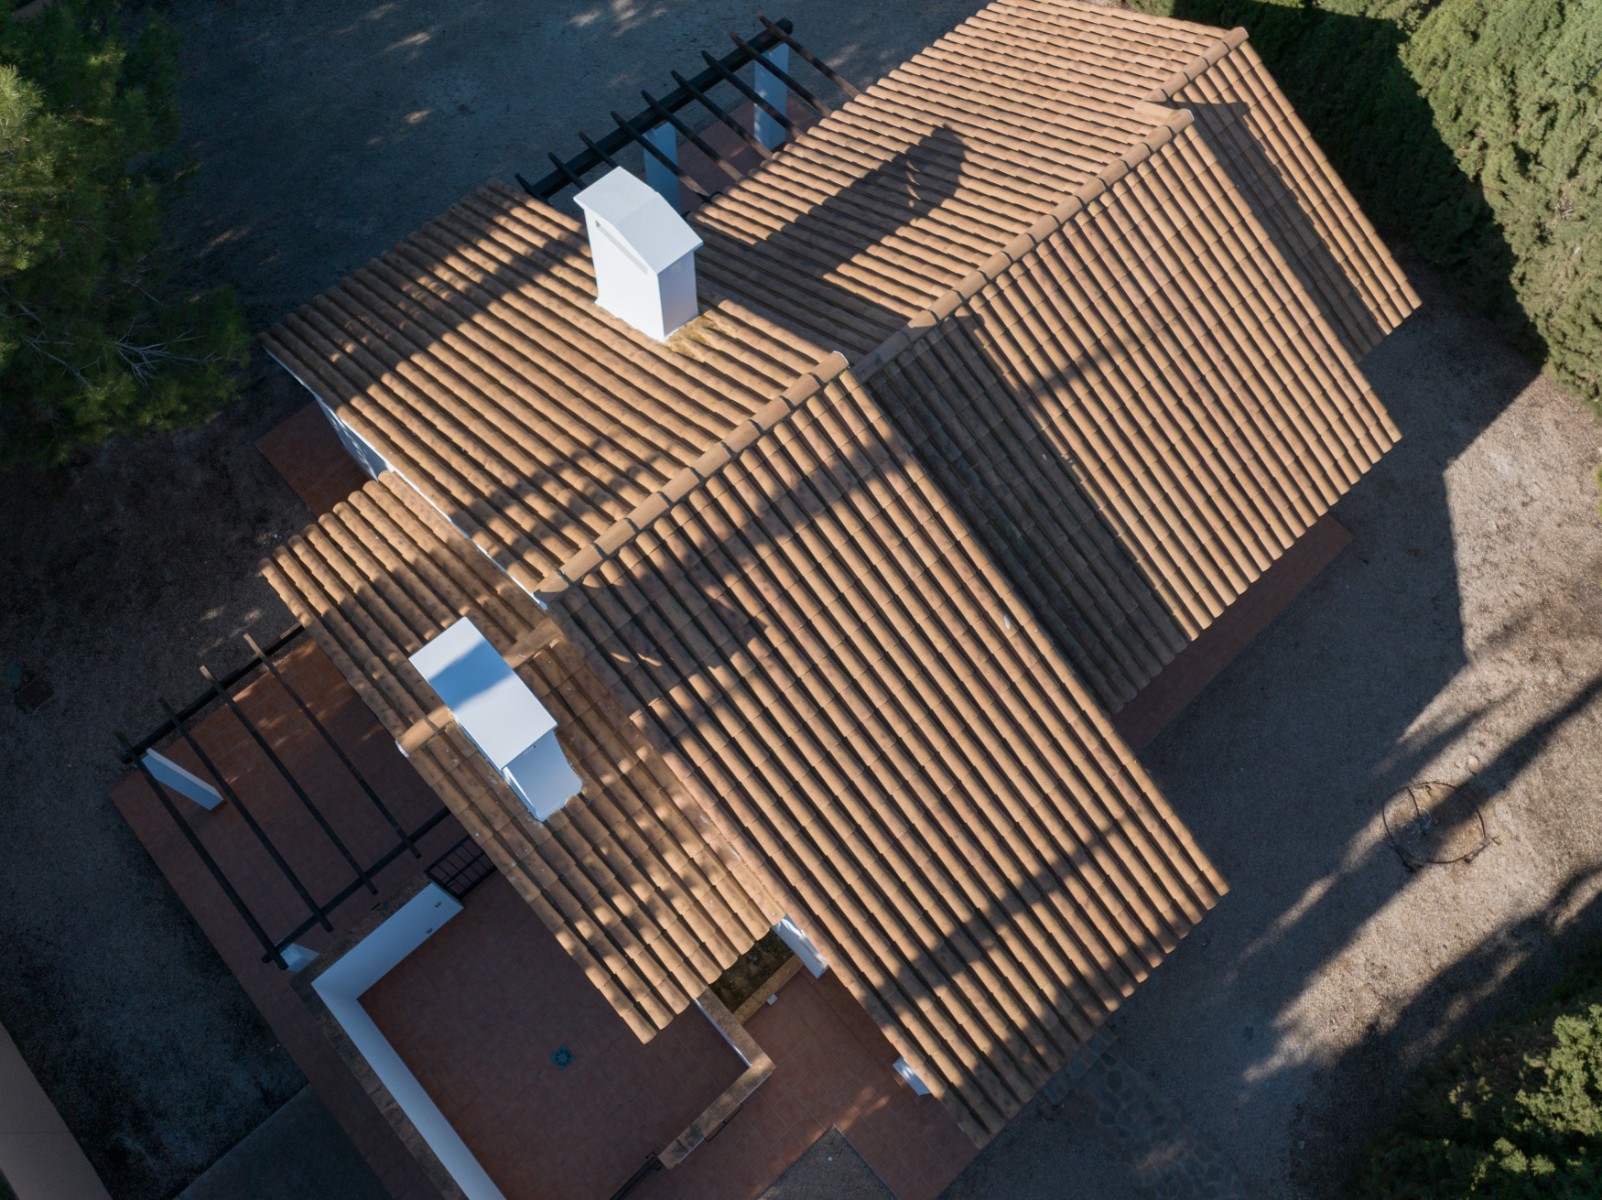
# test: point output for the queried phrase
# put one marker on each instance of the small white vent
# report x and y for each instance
(912, 1079)
(501, 715)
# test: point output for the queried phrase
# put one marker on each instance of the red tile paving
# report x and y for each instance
(477, 1011)
(308, 454)
(1198, 664)
(226, 837)
(831, 1067)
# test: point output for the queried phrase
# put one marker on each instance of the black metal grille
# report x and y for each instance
(222, 692)
(461, 868)
(699, 93)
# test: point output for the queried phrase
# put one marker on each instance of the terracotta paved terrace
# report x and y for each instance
(487, 1011)
(831, 1067)
(479, 1011)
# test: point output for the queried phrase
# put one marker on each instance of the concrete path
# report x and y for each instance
(298, 1153)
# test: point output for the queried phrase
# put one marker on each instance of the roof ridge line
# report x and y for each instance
(1202, 63)
(1173, 121)
(721, 453)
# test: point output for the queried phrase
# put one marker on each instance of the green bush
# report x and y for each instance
(1517, 1113)
(1468, 129)
(96, 335)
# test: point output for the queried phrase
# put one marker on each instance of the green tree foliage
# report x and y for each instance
(1467, 129)
(96, 336)
(1513, 91)
(1515, 1114)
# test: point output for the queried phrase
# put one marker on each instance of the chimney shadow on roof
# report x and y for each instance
(816, 274)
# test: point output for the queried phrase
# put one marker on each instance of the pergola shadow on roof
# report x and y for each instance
(288, 853)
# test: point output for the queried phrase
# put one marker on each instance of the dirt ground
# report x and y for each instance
(1456, 640)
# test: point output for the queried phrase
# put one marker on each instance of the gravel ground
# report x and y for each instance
(1456, 640)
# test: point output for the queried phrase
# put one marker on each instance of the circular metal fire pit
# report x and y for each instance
(1432, 823)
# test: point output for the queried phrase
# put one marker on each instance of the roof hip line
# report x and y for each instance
(1205, 61)
(1174, 122)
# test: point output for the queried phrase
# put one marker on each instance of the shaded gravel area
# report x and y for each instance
(1456, 640)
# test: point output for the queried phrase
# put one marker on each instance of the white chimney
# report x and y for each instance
(644, 254)
(504, 719)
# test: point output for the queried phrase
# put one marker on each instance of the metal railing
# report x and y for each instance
(461, 868)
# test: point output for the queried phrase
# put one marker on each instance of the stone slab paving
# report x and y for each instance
(1167, 1159)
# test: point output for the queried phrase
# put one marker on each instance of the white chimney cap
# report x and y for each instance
(504, 719)
(493, 706)
(643, 222)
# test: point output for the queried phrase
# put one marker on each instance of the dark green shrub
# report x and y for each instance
(1517, 1113)
(97, 337)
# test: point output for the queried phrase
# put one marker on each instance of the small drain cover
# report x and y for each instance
(562, 1057)
(1429, 824)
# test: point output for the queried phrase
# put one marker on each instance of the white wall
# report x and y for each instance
(341, 987)
(38, 1156)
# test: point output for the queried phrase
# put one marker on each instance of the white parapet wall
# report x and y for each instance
(341, 987)
(38, 1156)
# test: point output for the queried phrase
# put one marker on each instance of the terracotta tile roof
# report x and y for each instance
(1138, 406)
(849, 654)
(818, 643)
(630, 876)
(473, 358)
(888, 203)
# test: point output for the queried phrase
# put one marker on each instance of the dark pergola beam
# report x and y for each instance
(690, 136)
(219, 877)
(294, 784)
(190, 711)
(349, 890)
(655, 152)
(747, 91)
(717, 111)
(597, 153)
(784, 77)
(319, 916)
(328, 739)
(782, 33)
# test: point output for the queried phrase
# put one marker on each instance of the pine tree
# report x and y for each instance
(96, 336)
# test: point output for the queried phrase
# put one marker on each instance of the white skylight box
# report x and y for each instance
(501, 715)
